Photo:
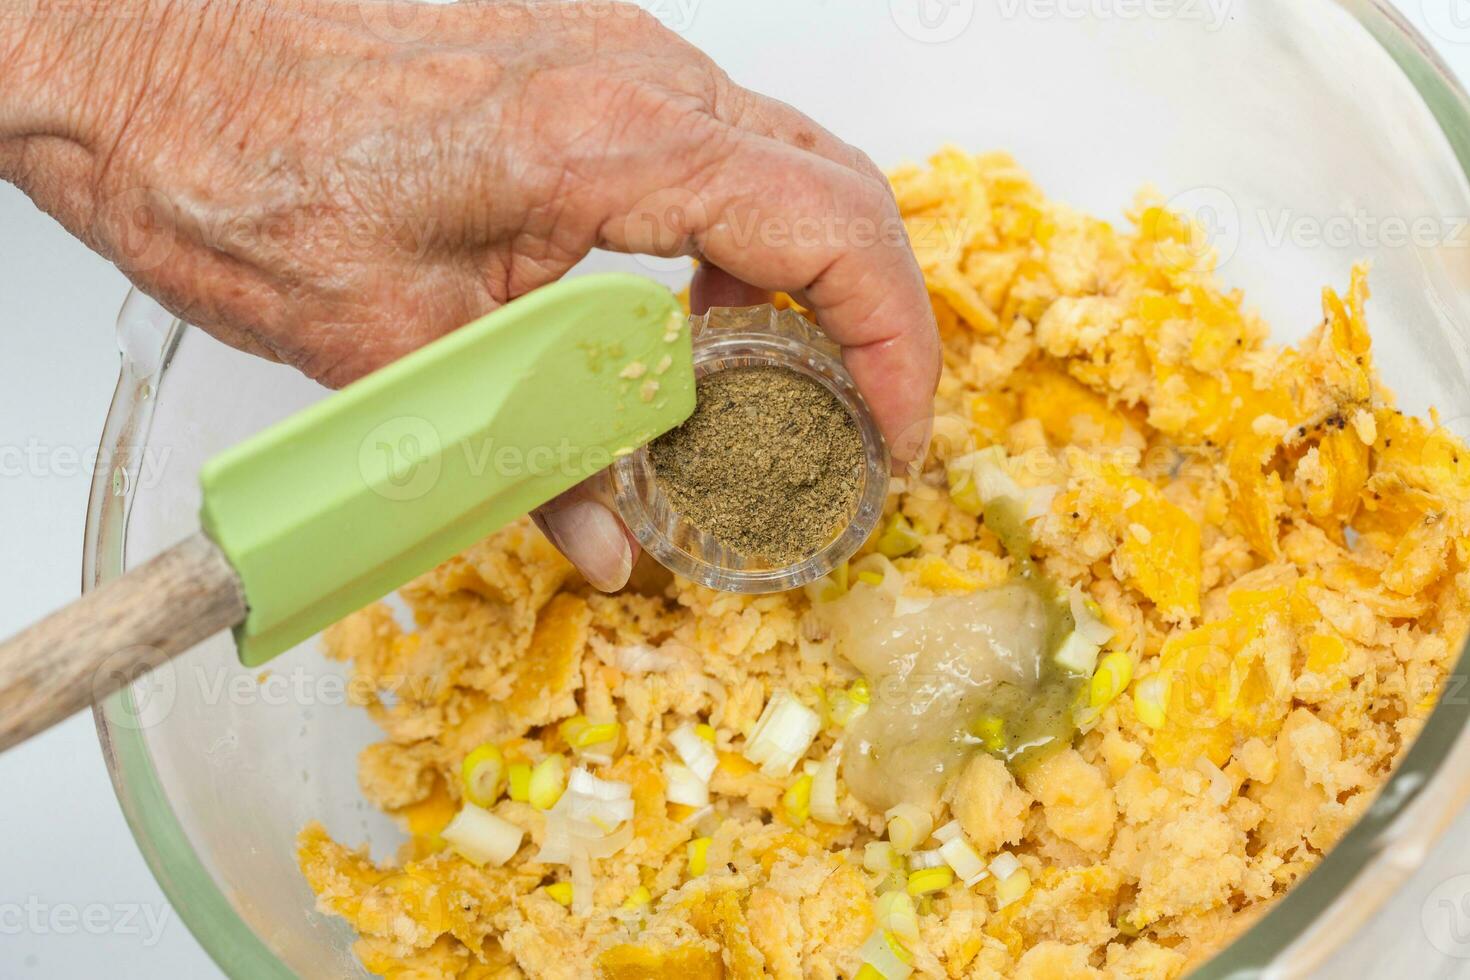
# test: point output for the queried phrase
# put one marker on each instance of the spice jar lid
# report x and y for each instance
(744, 337)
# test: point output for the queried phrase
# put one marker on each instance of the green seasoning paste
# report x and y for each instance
(961, 674)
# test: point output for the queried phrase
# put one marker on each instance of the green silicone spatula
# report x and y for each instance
(341, 503)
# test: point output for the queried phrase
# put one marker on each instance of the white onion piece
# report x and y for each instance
(1077, 654)
(684, 787)
(892, 584)
(603, 814)
(480, 837)
(967, 864)
(582, 884)
(640, 658)
(698, 815)
(907, 605)
(948, 832)
(879, 857)
(1003, 865)
(879, 955)
(1089, 626)
(919, 860)
(1038, 500)
(585, 824)
(782, 735)
(607, 846)
(583, 783)
(992, 479)
(1220, 789)
(824, 790)
(894, 911)
(694, 751)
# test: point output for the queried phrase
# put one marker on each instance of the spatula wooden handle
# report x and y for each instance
(112, 635)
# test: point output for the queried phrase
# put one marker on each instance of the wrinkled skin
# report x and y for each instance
(334, 184)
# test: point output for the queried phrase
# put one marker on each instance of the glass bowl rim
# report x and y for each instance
(1295, 923)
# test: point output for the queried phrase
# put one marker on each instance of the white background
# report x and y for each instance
(76, 899)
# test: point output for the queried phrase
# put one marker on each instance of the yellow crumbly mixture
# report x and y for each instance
(1280, 554)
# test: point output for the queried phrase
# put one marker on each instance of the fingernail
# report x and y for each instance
(911, 449)
(592, 538)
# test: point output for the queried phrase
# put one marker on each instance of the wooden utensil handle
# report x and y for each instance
(114, 634)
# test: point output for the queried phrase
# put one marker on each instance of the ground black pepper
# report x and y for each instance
(770, 463)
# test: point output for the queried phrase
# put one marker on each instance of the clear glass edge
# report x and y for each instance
(1293, 929)
(1412, 809)
(188, 885)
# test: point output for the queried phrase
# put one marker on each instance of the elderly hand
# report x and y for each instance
(334, 184)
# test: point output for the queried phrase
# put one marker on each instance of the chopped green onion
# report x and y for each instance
(824, 791)
(548, 781)
(879, 857)
(1012, 889)
(580, 733)
(930, 880)
(968, 866)
(480, 837)
(845, 709)
(695, 751)
(908, 826)
(894, 912)
(886, 956)
(1151, 700)
(899, 538)
(481, 775)
(698, 852)
(919, 860)
(782, 735)
(1077, 654)
(796, 802)
(948, 832)
(684, 786)
(1111, 678)
(519, 778)
(1003, 865)
(991, 731)
(1087, 615)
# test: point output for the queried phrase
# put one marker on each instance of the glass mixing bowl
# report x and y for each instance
(1305, 135)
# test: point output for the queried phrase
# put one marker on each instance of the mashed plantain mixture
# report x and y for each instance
(1238, 576)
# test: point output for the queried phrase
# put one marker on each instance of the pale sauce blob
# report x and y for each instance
(934, 671)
